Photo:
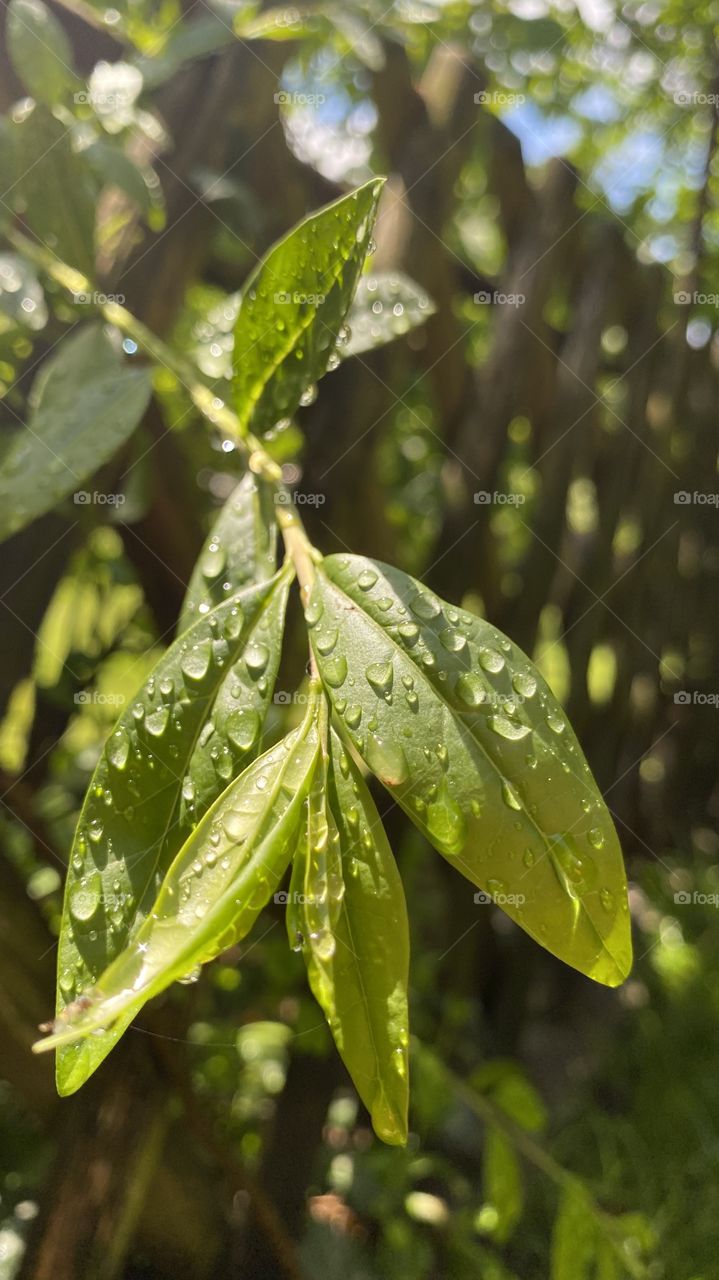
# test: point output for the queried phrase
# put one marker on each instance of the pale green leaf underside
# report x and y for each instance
(347, 911)
(240, 548)
(385, 306)
(293, 306)
(88, 405)
(216, 887)
(455, 721)
(194, 725)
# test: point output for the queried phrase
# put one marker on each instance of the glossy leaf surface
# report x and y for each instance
(85, 404)
(240, 548)
(293, 307)
(347, 912)
(455, 721)
(214, 890)
(195, 723)
(385, 306)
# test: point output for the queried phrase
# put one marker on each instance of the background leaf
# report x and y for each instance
(385, 306)
(574, 1238)
(85, 404)
(458, 725)
(293, 306)
(40, 51)
(172, 752)
(240, 548)
(45, 160)
(352, 925)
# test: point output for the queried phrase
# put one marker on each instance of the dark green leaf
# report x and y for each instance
(195, 723)
(45, 160)
(384, 307)
(347, 911)
(574, 1238)
(455, 721)
(293, 306)
(84, 404)
(40, 51)
(241, 548)
(212, 893)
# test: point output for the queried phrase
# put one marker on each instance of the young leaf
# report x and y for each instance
(575, 1237)
(384, 307)
(293, 306)
(84, 405)
(40, 51)
(240, 548)
(172, 752)
(214, 890)
(455, 721)
(347, 912)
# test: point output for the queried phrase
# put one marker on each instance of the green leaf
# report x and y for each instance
(384, 307)
(214, 890)
(293, 306)
(45, 160)
(347, 912)
(194, 724)
(84, 404)
(114, 168)
(240, 548)
(574, 1237)
(40, 51)
(502, 1185)
(454, 720)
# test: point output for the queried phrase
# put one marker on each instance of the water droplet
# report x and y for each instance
(408, 631)
(606, 897)
(213, 560)
(387, 760)
(85, 897)
(353, 715)
(555, 722)
(470, 689)
(509, 795)
(94, 830)
(196, 662)
(380, 675)
(314, 611)
(529, 858)
(242, 728)
(118, 749)
(156, 722)
(256, 658)
(577, 870)
(446, 824)
(596, 838)
(326, 641)
(334, 672)
(235, 826)
(490, 660)
(524, 684)
(425, 606)
(190, 977)
(453, 641)
(508, 729)
(367, 579)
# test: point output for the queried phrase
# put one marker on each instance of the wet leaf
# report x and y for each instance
(84, 404)
(213, 891)
(293, 306)
(347, 912)
(385, 307)
(462, 730)
(40, 51)
(196, 722)
(240, 548)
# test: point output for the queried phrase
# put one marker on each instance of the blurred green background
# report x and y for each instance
(543, 450)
